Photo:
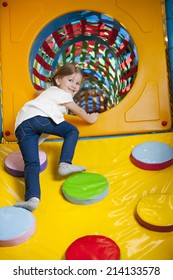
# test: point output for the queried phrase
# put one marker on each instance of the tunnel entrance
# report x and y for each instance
(100, 46)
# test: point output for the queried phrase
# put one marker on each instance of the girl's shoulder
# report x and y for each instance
(55, 90)
(46, 91)
(52, 89)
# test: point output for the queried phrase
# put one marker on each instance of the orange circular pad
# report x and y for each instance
(93, 247)
(155, 212)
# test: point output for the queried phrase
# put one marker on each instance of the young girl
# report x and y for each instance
(43, 116)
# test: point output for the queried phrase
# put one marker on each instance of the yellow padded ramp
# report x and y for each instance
(59, 222)
(146, 106)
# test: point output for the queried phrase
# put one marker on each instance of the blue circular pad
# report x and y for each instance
(16, 225)
(152, 155)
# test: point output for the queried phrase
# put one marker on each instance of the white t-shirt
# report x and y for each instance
(47, 104)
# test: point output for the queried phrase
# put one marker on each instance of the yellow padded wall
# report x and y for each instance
(146, 107)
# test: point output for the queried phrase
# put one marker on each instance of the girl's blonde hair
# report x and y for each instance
(65, 70)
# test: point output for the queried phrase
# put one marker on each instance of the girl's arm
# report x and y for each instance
(78, 111)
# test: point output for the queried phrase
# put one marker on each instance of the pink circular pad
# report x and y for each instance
(14, 163)
(16, 225)
(152, 155)
(93, 247)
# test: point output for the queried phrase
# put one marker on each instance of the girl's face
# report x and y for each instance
(71, 83)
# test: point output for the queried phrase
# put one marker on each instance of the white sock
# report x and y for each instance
(67, 168)
(30, 204)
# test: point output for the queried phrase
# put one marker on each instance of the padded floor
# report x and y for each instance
(60, 222)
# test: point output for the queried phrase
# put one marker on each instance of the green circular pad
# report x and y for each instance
(85, 188)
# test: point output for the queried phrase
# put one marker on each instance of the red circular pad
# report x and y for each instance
(93, 247)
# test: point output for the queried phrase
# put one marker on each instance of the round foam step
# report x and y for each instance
(155, 212)
(152, 155)
(85, 188)
(93, 247)
(16, 225)
(14, 163)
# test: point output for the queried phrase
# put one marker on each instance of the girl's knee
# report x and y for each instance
(75, 130)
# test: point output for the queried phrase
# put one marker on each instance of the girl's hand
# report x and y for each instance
(80, 112)
(93, 117)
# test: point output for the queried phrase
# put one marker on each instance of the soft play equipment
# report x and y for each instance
(17, 226)
(152, 155)
(85, 188)
(114, 44)
(120, 47)
(93, 247)
(169, 23)
(155, 212)
(14, 163)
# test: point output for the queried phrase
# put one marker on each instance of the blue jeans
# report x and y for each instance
(28, 133)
